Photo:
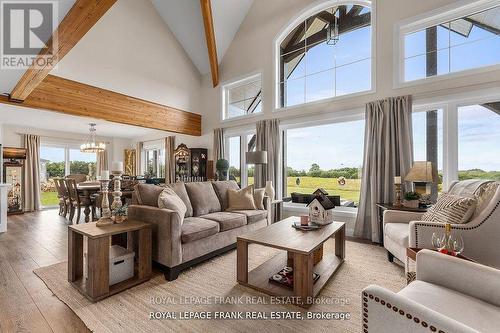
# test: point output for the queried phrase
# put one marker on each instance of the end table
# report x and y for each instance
(131, 234)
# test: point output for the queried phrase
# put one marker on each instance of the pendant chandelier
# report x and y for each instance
(332, 30)
(91, 146)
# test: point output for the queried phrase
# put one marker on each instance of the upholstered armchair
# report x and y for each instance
(481, 234)
(449, 295)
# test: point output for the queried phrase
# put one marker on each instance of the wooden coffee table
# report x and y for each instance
(301, 249)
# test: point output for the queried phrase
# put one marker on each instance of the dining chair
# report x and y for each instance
(76, 201)
(80, 178)
(63, 196)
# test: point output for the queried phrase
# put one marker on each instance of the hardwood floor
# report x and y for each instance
(33, 240)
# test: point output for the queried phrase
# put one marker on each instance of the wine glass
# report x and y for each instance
(437, 241)
(458, 244)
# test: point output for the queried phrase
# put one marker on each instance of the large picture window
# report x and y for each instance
(327, 156)
(468, 42)
(58, 161)
(327, 55)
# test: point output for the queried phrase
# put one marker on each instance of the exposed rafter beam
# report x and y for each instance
(206, 12)
(78, 99)
(79, 20)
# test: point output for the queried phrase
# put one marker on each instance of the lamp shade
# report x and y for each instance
(256, 157)
(421, 172)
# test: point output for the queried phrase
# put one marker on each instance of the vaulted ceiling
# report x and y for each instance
(184, 19)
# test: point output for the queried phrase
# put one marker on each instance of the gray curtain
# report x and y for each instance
(32, 173)
(138, 161)
(218, 144)
(102, 162)
(170, 159)
(269, 139)
(388, 152)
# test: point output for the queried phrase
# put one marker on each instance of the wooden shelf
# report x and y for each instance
(80, 284)
(258, 278)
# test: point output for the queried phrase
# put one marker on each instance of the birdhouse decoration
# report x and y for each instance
(321, 208)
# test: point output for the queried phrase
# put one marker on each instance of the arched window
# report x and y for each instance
(327, 55)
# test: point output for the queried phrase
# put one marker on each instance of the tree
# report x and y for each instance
(314, 170)
(55, 169)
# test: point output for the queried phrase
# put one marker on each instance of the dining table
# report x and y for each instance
(89, 188)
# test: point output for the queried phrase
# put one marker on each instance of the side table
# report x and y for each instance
(411, 263)
(382, 207)
(276, 210)
(131, 234)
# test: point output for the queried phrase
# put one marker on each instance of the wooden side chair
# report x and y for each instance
(77, 202)
(63, 195)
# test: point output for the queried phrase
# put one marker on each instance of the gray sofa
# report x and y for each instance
(206, 230)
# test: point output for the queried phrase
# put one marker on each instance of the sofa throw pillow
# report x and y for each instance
(168, 199)
(452, 209)
(240, 199)
(258, 198)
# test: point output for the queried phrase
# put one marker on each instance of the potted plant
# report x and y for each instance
(222, 167)
(120, 214)
(411, 199)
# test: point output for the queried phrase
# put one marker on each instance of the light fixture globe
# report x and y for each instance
(91, 146)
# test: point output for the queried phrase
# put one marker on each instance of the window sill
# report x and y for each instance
(247, 116)
(339, 211)
(322, 101)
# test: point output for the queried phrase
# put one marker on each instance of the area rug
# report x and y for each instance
(211, 289)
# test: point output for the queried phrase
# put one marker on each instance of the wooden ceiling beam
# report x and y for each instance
(78, 99)
(79, 20)
(206, 12)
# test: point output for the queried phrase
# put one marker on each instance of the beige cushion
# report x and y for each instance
(170, 200)
(227, 220)
(240, 199)
(479, 315)
(221, 188)
(253, 215)
(451, 209)
(258, 197)
(203, 198)
(484, 194)
(195, 228)
(180, 190)
(147, 194)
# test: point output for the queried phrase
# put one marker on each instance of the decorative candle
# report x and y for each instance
(105, 175)
(117, 167)
(397, 180)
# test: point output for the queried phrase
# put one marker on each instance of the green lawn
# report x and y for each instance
(349, 191)
(49, 199)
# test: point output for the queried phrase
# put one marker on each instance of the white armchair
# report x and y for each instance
(481, 234)
(449, 295)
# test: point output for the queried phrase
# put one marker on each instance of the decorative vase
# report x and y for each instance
(119, 219)
(411, 203)
(270, 189)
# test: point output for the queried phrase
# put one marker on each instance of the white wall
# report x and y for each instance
(132, 51)
(252, 51)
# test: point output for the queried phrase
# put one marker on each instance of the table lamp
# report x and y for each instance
(422, 176)
(256, 157)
